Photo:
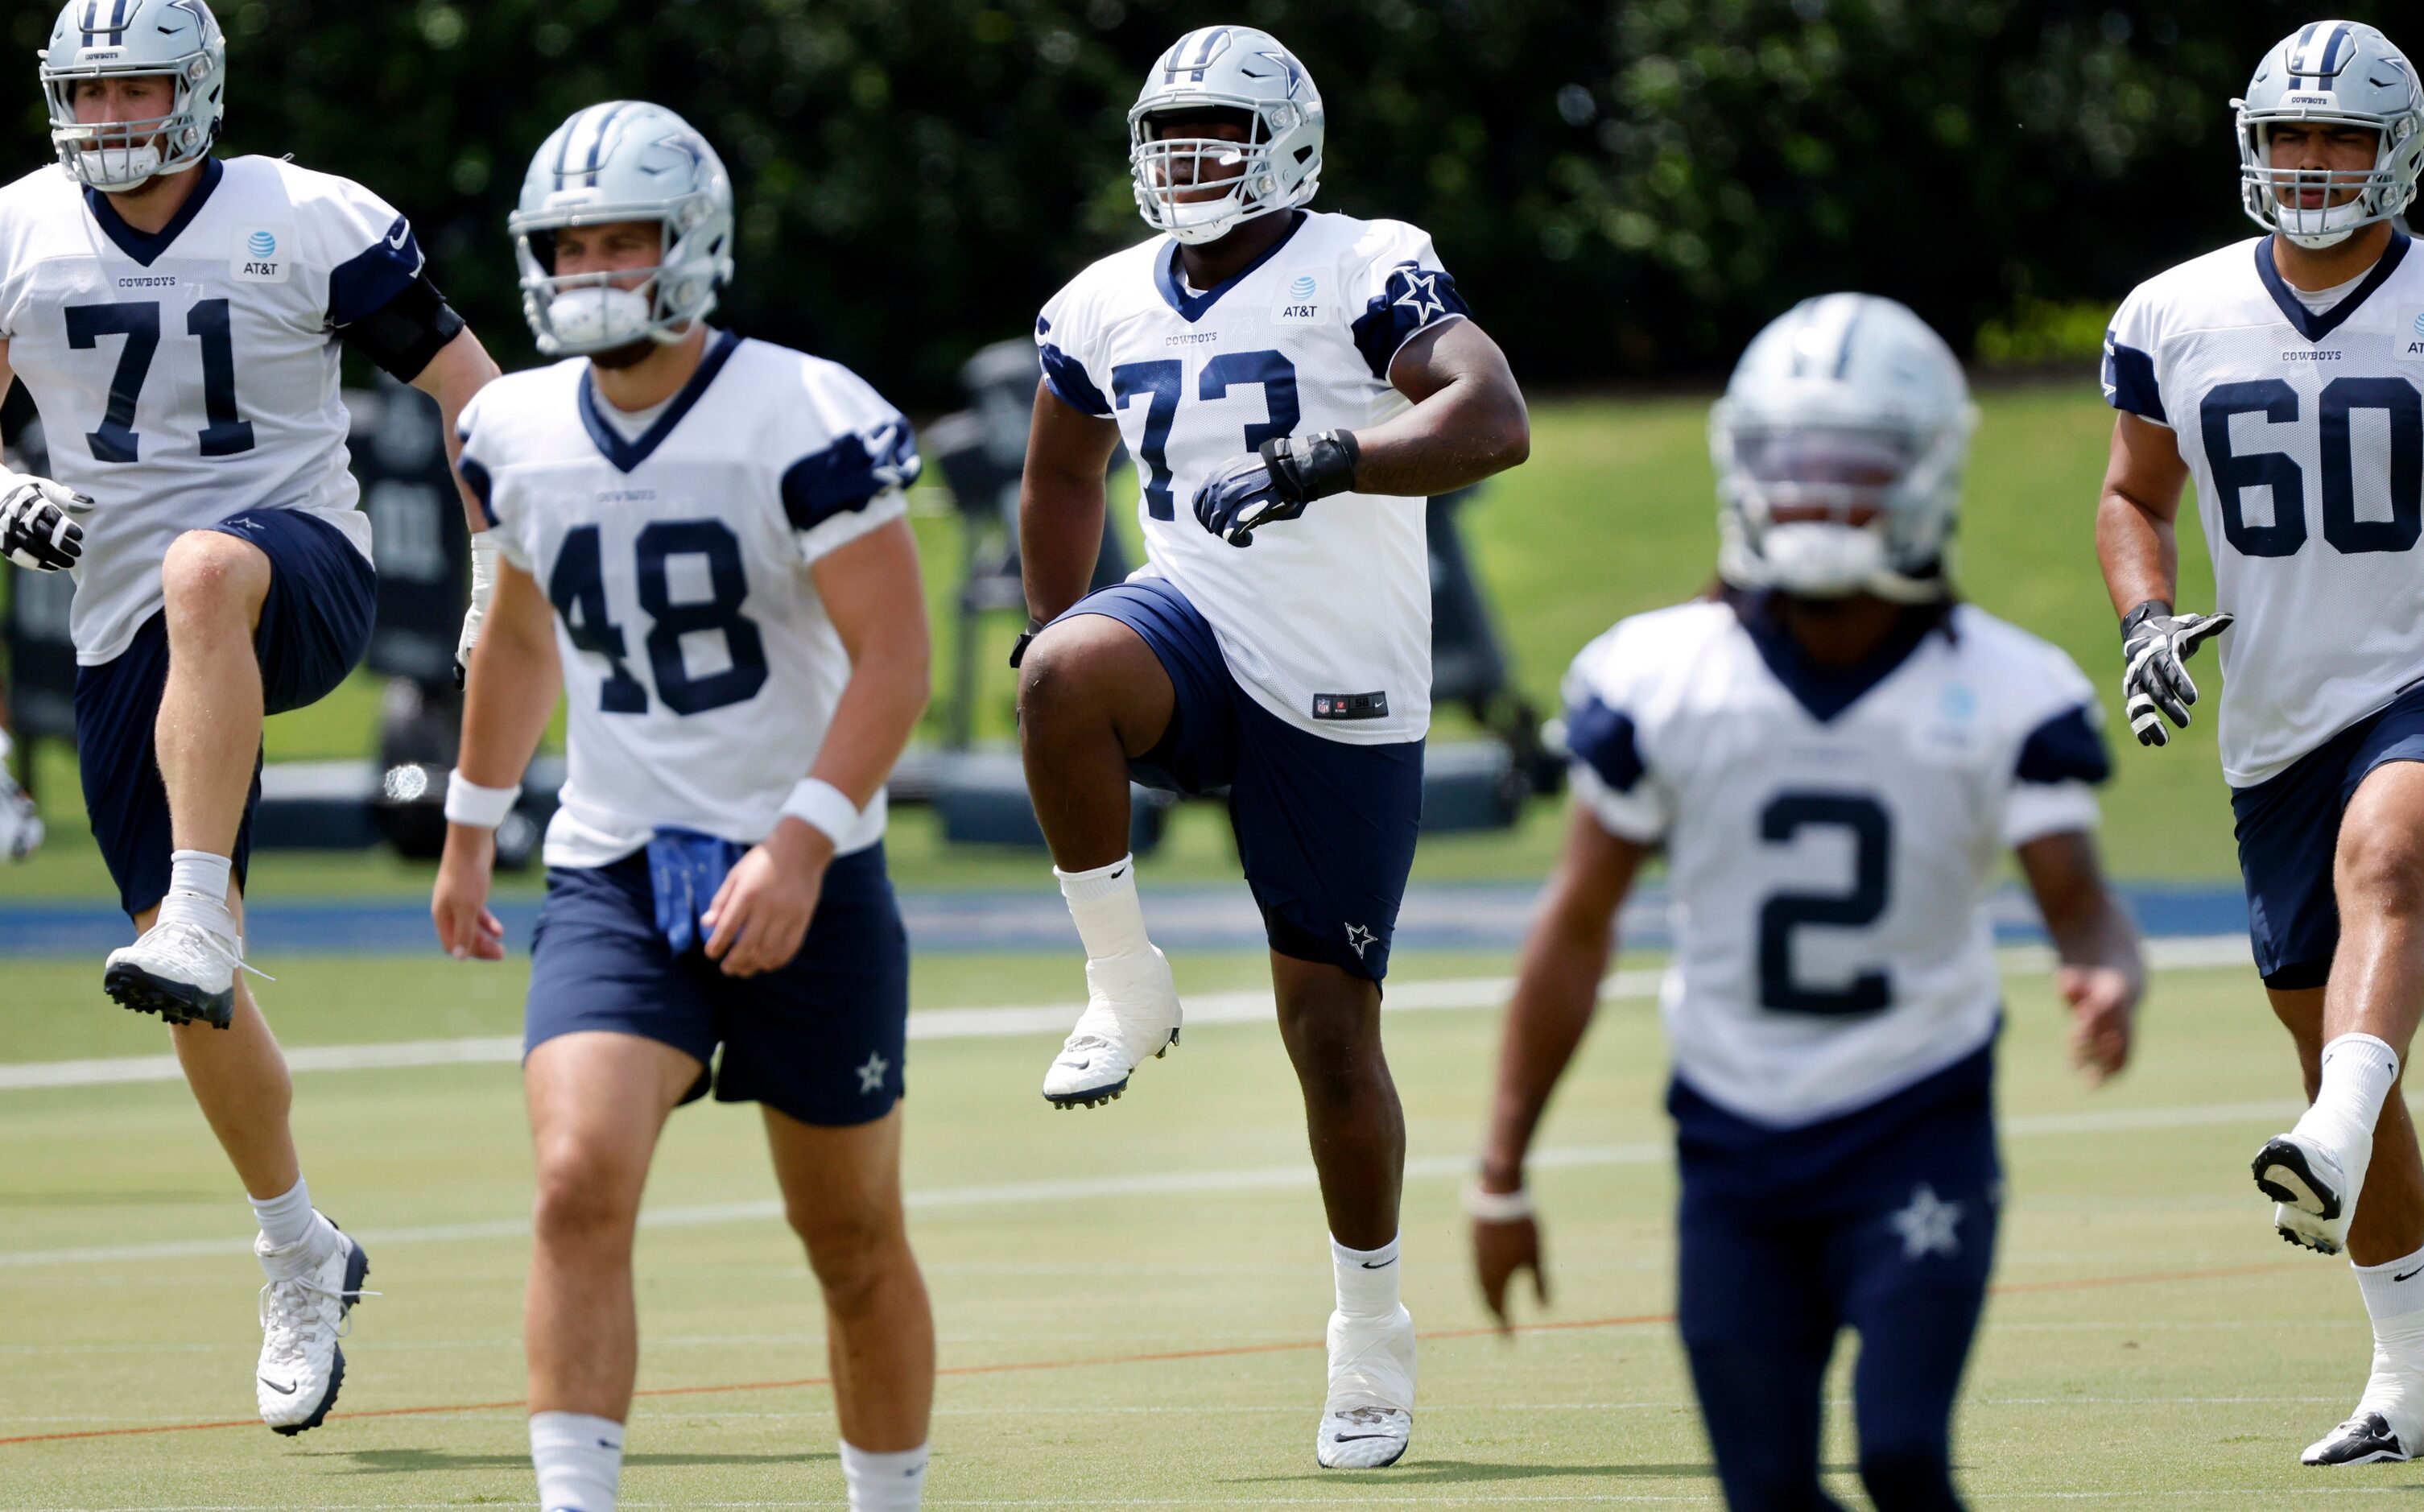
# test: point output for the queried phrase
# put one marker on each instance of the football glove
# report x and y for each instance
(2155, 644)
(1275, 484)
(36, 530)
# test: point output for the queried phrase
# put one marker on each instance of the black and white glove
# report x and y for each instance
(2155, 645)
(36, 532)
(1275, 484)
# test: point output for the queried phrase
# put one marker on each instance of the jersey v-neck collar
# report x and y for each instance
(1193, 307)
(2312, 326)
(145, 247)
(1826, 692)
(627, 454)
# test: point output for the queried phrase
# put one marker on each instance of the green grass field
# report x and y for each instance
(1612, 515)
(2152, 1343)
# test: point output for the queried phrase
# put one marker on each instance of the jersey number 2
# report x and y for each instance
(1160, 382)
(227, 433)
(1872, 831)
(576, 587)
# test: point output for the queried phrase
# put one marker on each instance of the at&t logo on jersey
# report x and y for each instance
(1300, 300)
(261, 254)
(2415, 337)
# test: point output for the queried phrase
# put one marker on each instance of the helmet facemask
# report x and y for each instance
(1825, 512)
(1167, 167)
(115, 156)
(2351, 198)
(618, 310)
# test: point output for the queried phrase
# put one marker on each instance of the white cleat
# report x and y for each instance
(21, 822)
(2314, 1196)
(2366, 1439)
(1370, 1414)
(178, 970)
(1131, 1014)
(302, 1317)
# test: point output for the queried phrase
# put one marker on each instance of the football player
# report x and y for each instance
(704, 544)
(1831, 752)
(176, 317)
(2280, 372)
(1292, 385)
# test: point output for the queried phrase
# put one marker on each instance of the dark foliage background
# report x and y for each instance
(1624, 191)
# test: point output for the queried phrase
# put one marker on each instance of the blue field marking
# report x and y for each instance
(1489, 916)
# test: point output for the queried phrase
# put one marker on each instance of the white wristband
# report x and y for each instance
(1497, 1207)
(821, 806)
(468, 803)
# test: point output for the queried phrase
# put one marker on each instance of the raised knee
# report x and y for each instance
(2379, 872)
(207, 574)
(1053, 681)
(583, 1196)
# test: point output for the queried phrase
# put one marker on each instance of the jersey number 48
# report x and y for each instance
(576, 587)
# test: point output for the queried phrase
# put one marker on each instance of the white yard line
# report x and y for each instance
(1255, 1006)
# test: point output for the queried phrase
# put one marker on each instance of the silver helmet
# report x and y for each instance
(1851, 414)
(623, 161)
(2333, 72)
(1277, 168)
(178, 40)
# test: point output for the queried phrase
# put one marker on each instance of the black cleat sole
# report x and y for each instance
(133, 988)
(2281, 1158)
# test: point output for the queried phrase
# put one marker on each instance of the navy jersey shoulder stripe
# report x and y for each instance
(846, 474)
(363, 284)
(2065, 748)
(1604, 738)
(2129, 381)
(1067, 376)
(1412, 299)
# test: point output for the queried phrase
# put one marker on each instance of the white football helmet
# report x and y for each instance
(1279, 168)
(2337, 72)
(1849, 416)
(96, 39)
(623, 160)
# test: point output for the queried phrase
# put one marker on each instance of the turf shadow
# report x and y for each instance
(417, 1461)
(1475, 1472)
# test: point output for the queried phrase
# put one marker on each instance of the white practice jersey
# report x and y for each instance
(1324, 611)
(1831, 838)
(700, 667)
(191, 375)
(2306, 435)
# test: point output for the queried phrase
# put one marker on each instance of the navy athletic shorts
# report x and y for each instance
(820, 1039)
(315, 626)
(1325, 830)
(2288, 828)
(1881, 1220)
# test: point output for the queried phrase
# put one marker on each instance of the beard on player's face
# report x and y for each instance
(629, 355)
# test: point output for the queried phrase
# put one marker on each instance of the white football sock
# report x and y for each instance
(579, 1459)
(1104, 903)
(2394, 1299)
(1367, 1279)
(198, 889)
(893, 1481)
(2358, 1070)
(286, 1219)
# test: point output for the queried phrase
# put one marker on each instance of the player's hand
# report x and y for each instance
(762, 912)
(2103, 1009)
(1502, 1249)
(1275, 484)
(37, 528)
(458, 905)
(2155, 646)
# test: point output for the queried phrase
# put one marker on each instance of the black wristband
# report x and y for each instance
(2151, 609)
(1018, 647)
(1312, 466)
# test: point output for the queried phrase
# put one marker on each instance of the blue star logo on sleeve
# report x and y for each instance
(1421, 295)
(870, 1076)
(1929, 1226)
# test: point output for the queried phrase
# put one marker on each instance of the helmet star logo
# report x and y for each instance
(1422, 295)
(678, 142)
(1295, 73)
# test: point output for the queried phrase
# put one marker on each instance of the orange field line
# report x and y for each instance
(1222, 1352)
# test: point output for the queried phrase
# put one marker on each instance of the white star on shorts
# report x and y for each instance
(1927, 1225)
(870, 1076)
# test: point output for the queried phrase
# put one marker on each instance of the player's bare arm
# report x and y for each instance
(2137, 542)
(508, 699)
(872, 590)
(1468, 421)
(1556, 991)
(461, 369)
(1061, 502)
(2101, 974)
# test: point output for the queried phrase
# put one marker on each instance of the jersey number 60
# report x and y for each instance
(2279, 471)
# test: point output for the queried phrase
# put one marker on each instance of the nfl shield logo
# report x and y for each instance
(1321, 706)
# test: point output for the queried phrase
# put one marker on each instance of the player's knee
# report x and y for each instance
(1912, 1478)
(207, 575)
(852, 1253)
(1054, 683)
(2379, 871)
(583, 1194)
